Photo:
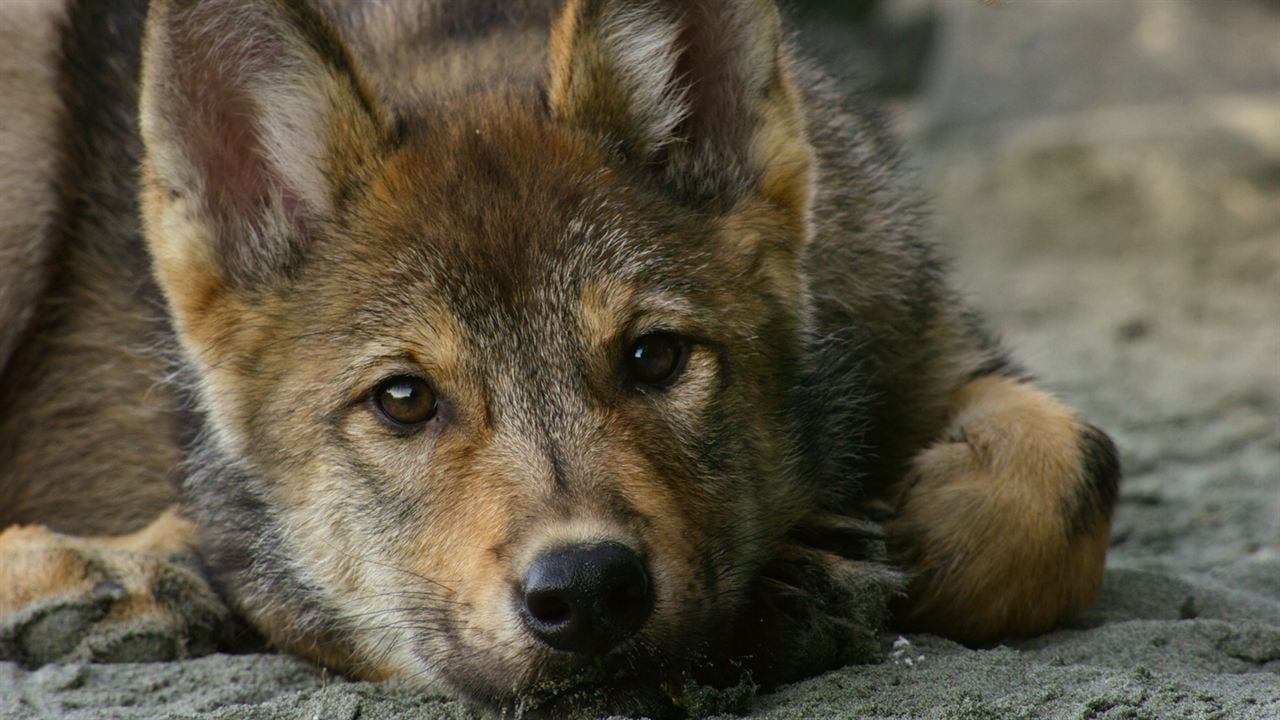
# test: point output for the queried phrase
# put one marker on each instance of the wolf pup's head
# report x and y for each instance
(500, 384)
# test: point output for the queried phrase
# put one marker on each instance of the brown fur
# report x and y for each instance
(329, 200)
(1008, 466)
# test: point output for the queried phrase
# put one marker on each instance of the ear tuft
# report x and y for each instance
(253, 118)
(699, 88)
(639, 47)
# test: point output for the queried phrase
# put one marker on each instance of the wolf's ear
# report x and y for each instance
(255, 124)
(698, 88)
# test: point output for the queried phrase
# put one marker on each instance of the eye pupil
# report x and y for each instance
(655, 359)
(406, 400)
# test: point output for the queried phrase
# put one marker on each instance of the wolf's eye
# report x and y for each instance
(657, 358)
(405, 401)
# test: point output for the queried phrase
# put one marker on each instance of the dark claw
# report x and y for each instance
(108, 591)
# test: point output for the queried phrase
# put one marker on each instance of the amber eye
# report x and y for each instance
(657, 358)
(405, 401)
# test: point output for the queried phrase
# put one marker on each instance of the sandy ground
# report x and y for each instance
(1130, 252)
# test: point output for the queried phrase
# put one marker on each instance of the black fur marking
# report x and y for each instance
(558, 474)
(999, 364)
(100, 64)
(710, 570)
(1096, 494)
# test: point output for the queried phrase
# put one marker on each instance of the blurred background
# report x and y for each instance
(1106, 176)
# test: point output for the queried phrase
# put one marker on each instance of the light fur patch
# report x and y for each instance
(644, 50)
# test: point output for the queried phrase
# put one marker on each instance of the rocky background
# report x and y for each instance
(1106, 175)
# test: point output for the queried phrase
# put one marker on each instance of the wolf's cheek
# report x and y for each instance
(427, 521)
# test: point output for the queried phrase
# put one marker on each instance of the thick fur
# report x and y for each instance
(29, 156)
(263, 209)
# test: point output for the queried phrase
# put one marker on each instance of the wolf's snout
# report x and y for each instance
(586, 598)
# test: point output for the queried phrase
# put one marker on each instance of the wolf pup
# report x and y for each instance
(499, 346)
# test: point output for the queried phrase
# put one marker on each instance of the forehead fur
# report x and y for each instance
(492, 206)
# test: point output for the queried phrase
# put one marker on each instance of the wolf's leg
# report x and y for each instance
(129, 598)
(1003, 523)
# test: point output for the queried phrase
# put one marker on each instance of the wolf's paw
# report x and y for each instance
(65, 599)
(820, 603)
(1004, 523)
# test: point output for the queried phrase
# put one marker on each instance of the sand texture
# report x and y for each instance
(1107, 177)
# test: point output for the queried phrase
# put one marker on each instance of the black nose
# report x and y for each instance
(586, 598)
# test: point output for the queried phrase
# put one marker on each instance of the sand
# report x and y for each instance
(1130, 252)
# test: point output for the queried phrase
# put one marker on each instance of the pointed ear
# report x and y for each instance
(255, 124)
(698, 88)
